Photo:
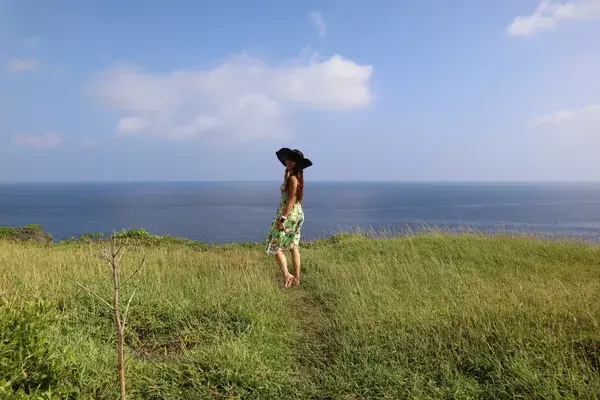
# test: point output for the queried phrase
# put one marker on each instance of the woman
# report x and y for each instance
(287, 224)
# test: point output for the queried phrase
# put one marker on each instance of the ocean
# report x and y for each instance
(218, 212)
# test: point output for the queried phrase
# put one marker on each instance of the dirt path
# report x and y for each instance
(320, 345)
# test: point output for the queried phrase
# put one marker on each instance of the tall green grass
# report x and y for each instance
(429, 316)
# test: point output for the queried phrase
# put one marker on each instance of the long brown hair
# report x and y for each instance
(299, 174)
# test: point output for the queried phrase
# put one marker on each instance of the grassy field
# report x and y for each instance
(432, 316)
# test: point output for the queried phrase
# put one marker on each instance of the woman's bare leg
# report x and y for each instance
(282, 261)
(296, 262)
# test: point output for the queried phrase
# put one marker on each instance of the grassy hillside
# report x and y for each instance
(430, 316)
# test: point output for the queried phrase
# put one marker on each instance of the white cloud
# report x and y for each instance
(132, 125)
(319, 22)
(46, 141)
(584, 120)
(19, 65)
(549, 13)
(243, 97)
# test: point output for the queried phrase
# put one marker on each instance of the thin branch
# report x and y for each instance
(117, 247)
(105, 255)
(139, 268)
(127, 310)
(119, 254)
(92, 292)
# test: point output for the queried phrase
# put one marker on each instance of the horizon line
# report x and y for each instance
(441, 181)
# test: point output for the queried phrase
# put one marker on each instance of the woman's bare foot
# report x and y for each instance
(296, 281)
(288, 280)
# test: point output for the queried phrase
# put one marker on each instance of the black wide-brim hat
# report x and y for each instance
(296, 155)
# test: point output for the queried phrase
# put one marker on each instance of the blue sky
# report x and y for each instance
(492, 90)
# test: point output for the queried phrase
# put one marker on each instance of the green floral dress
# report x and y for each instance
(290, 237)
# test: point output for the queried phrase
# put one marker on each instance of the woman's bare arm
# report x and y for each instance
(292, 188)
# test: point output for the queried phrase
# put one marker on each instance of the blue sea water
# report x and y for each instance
(237, 212)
